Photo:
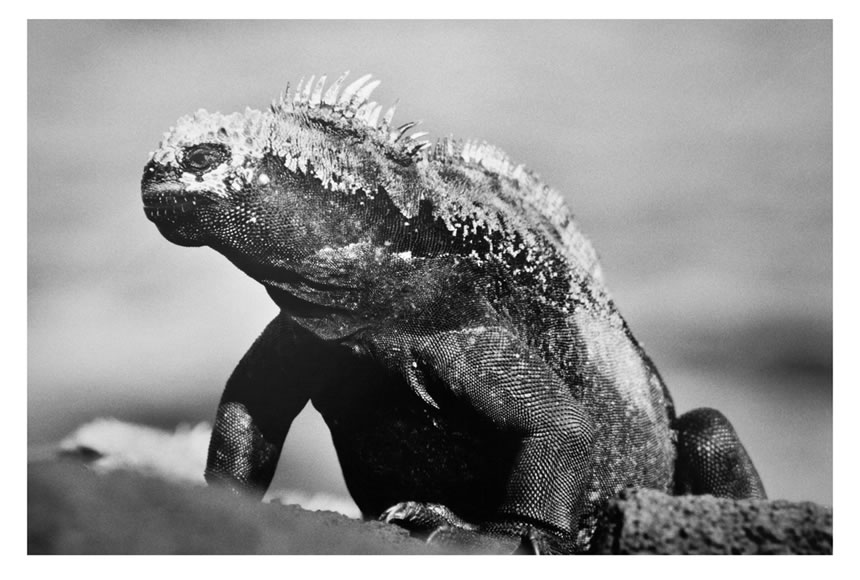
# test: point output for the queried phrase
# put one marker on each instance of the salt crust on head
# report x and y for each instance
(244, 133)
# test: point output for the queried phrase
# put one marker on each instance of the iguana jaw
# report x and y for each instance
(167, 202)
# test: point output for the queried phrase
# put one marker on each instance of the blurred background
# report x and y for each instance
(697, 156)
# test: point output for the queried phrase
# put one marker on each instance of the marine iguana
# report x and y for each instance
(441, 310)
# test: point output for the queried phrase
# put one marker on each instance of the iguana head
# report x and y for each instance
(204, 182)
(287, 188)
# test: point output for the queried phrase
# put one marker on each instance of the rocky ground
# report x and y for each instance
(72, 510)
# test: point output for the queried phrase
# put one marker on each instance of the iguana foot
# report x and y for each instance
(420, 517)
(440, 526)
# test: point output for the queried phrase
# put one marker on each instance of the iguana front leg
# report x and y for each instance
(268, 388)
(489, 371)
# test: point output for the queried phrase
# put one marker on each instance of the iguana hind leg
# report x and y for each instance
(711, 458)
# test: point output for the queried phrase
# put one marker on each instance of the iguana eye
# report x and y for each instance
(200, 158)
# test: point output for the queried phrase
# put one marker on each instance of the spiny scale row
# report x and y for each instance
(352, 102)
(480, 153)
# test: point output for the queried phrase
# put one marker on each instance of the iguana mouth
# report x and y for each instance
(160, 203)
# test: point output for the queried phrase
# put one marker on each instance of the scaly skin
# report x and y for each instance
(442, 311)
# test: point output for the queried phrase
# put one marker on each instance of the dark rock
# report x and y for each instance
(649, 522)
